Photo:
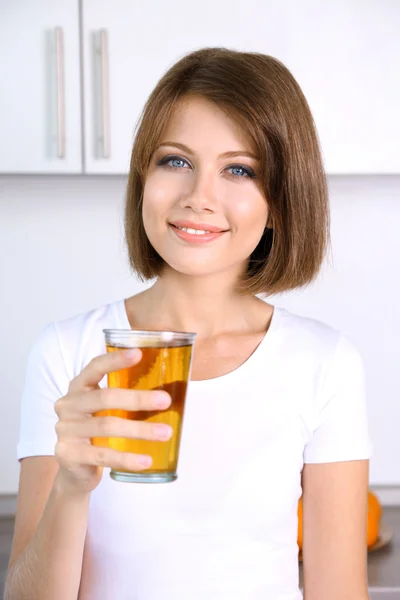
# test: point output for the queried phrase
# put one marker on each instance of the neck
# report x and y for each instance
(207, 305)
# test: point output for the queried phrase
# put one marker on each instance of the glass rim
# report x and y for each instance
(151, 334)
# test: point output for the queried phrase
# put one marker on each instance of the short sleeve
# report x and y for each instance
(45, 382)
(341, 431)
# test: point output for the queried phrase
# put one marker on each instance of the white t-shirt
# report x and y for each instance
(227, 528)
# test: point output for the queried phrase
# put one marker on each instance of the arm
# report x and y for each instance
(54, 492)
(47, 554)
(335, 498)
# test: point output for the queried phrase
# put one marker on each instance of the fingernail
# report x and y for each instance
(132, 353)
(161, 400)
(145, 461)
(163, 432)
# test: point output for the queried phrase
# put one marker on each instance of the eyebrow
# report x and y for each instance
(230, 154)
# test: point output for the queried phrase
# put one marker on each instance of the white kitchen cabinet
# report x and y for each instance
(346, 57)
(128, 45)
(40, 116)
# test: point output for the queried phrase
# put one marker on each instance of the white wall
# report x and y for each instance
(61, 252)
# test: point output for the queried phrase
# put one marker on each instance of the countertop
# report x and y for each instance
(383, 565)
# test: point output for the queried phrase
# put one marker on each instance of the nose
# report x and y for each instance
(202, 195)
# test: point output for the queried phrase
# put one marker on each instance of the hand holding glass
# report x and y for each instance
(165, 365)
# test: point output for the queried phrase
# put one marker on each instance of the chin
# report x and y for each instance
(190, 269)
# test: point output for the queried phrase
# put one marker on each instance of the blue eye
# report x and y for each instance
(173, 162)
(177, 162)
(240, 171)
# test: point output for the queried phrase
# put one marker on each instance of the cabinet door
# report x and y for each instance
(129, 44)
(40, 118)
(346, 57)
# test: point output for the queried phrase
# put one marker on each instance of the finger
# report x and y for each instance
(74, 405)
(113, 427)
(99, 366)
(73, 455)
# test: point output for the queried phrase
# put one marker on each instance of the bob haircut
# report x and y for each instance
(263, 97)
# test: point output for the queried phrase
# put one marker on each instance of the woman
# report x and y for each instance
(276, 404)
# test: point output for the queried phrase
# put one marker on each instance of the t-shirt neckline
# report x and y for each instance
(263, 348)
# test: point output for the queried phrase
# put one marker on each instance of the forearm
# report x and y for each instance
(339, 596)
(51, 564)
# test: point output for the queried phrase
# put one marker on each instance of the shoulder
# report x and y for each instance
(306, 332)
(307, 339)
(79, 338)
(325, 374)
(104, 316)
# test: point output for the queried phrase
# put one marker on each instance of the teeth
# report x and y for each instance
(194, 231)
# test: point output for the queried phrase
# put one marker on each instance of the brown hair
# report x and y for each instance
(263, 97)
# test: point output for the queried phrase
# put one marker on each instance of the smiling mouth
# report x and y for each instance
(196, 236)
(197, 230)
(193, 231)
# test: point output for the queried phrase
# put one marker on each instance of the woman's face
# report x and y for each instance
(201, 177)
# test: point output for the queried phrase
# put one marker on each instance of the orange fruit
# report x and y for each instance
(373, 518)
(300, 524)
(372, 529)
(374, 505)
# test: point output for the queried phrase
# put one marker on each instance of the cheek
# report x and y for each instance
(155, 199)
(161, 193)
(250, 210)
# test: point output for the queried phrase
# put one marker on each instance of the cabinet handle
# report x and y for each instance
(59, 39)
(105, 91)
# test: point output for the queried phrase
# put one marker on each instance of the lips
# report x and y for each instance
(195, 238)
(198, 226)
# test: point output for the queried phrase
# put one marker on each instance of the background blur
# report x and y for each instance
(74, 77)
